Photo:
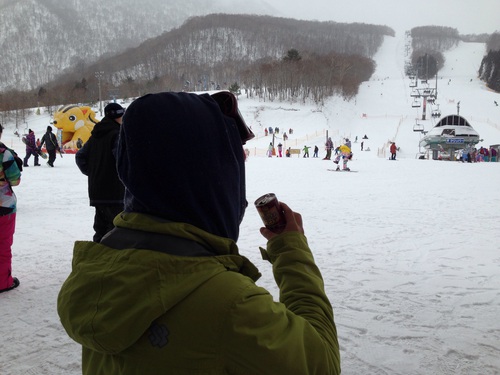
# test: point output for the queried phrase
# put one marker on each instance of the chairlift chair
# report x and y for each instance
(415, 104)
(436, 113)
(418, 127)
(414, 94)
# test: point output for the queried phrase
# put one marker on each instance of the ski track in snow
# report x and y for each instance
(409, 250)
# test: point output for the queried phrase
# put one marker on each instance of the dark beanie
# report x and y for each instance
(113, 111)
(182, 160)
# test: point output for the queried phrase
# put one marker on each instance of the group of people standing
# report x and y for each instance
(473, 155)
(96, 159)
(10, 175)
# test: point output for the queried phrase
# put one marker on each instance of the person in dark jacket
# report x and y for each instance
(50, 141)
(167, 290)
(31, 148)
(96, 159)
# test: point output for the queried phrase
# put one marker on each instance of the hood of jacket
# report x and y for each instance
(181, 159)
(94, 303)
(104, 127)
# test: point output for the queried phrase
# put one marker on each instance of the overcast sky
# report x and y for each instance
(467, 16)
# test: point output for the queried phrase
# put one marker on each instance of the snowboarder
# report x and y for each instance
(346, 155)
(51, 145)
(31, 149)
(315, 154)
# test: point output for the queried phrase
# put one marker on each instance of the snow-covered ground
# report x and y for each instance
(409, 250)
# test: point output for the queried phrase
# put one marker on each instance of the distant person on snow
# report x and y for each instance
(393, 150)
(348, 143)
(10, 175)
(270, 150)
(306, 151)
(280, 150)
(315, 154)
(50, 141)
(96, 159)
(329, 148)
(167, 290)
(31, 149)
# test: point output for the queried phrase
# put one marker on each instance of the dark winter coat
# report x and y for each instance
(50, 141)
(169, 305)
(96, 159)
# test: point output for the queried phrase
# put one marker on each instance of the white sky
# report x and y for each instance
(467, 16)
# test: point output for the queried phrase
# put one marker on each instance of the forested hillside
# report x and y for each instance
(39, 39)
(272, 57)
(490, 66)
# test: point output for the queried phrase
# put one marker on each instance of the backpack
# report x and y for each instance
(18, 160)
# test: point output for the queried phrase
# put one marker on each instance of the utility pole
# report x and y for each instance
(99, 75)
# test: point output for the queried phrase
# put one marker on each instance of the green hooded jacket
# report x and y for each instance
(146, 312)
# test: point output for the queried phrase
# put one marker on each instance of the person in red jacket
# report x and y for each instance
(393, 151)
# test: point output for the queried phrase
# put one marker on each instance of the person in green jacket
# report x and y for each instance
(167, 291)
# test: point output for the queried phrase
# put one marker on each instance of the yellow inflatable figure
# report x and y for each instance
(75, 122)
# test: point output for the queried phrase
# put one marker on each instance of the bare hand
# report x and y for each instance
(293, 223)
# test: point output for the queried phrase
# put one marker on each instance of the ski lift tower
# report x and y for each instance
(424, 93)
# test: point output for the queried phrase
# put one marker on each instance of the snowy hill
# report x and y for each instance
(383, 109)
(408, 249)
